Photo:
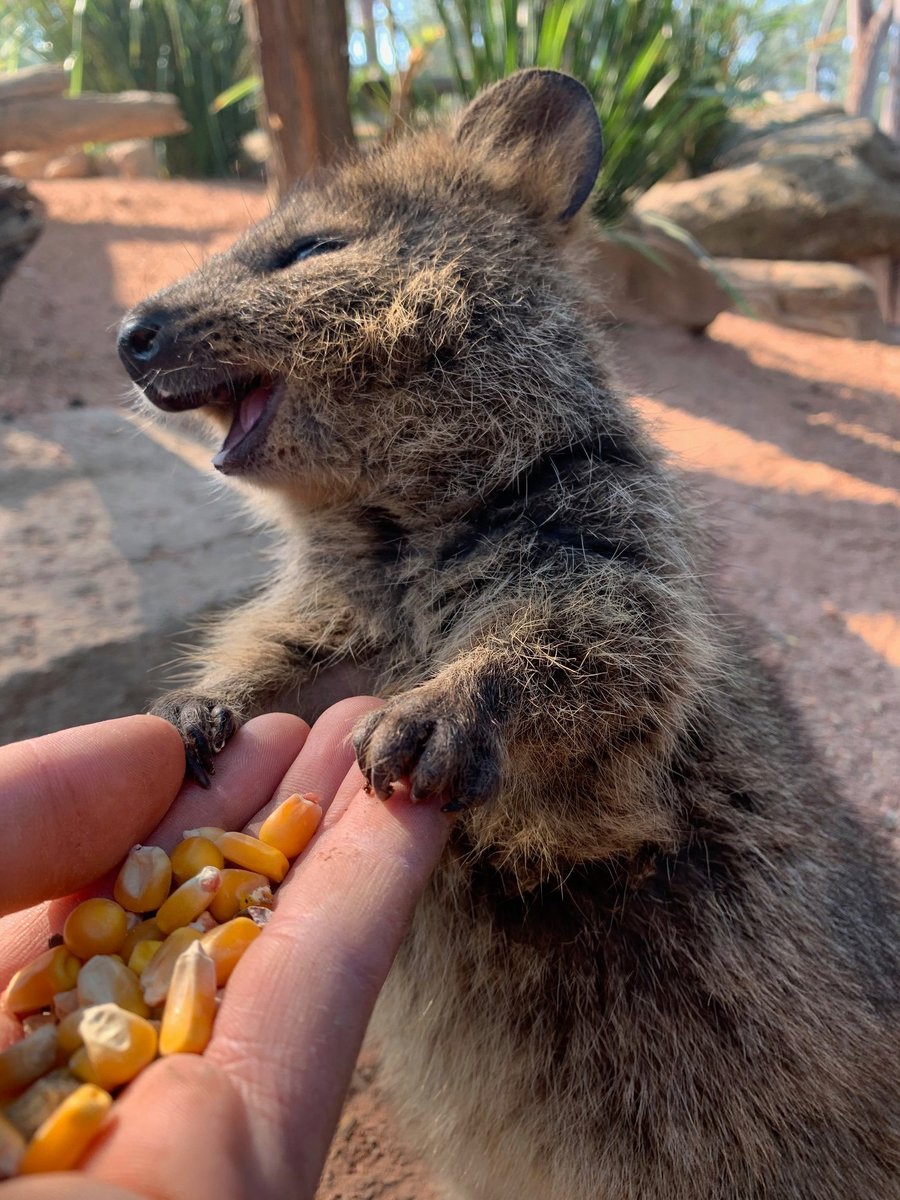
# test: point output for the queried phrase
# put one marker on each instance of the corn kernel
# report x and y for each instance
(158, 973)
(65, 1003)
(190, 1005)
(37, 1021)
(37, 1103)
(226, 944)
(254, 855)
(192, 855)
(205, 922)
(104, 979)
(144, 931)
(258, 914)
(142, 955)
(28, 1059)
(210, 832)
(65, 1136)
(144, 880)
(291, 826)
(36, 984)
(69, 1034)
(117, 1043)
(82, 1068)
(12, 1148)
(190, 900)
(232, 895)
(96, 926)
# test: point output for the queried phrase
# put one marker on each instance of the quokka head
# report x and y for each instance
(404, 324)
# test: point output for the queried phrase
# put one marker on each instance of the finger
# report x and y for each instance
(64, 1186)
(72, 803)
(327, 757)
(296, 1009)
(248, 771)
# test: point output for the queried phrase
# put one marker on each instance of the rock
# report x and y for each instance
(43, 80)
(26, 164)
(830, 298)
(647, 275)
(831, 133)
(134, 158)
(113, 551)
(74, 165)
(21, 222)
(800, 207)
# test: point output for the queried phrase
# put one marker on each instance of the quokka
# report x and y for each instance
(659, 959)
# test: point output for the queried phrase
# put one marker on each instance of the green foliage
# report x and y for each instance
(663, 73)
(193, 48)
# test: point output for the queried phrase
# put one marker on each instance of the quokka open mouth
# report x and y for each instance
(252, 402)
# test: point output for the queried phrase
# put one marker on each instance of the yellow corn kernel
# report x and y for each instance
(291, 826)
(37, 1103)
(190, 900)
(144, 931)
(142, 955)
(36, 984)
(190, 1005)
(64, 1137)
(106, 980)
(81, 1067)
(226, 944)
(158, 973)
(236, 886)
(253, 855)
(205, 922)
(12, 1147)
(96, 926)
(192, 855)
(117, 1044)
(27, 1060)
(69, 1034)
(144, 880)
(210, 832)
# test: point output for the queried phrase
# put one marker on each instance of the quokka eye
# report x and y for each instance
(303, 248)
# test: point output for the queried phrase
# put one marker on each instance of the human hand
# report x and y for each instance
(254, 1115)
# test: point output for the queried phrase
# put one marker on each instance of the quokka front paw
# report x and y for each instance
(205, 726)
(425, 738)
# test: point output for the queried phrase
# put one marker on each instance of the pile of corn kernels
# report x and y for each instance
(133, 978)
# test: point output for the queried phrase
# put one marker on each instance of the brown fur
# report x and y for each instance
(659, 957)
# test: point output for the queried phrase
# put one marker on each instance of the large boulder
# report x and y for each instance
(825, 132)
(830, 298)
(649, 276)
(800, 207)
(795, 179)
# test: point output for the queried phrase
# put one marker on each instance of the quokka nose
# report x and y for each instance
(141, 339)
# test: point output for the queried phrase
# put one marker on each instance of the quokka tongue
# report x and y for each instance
(248, 413)
(253, 406)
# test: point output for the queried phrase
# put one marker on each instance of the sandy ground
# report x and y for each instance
(793, 440)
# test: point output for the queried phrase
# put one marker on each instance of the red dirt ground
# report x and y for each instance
(793, 439)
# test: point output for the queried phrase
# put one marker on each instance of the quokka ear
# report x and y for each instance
(537, 133)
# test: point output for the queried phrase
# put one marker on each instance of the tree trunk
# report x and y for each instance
(829, 16)
(869, 28)
(890, 109)
(302, 52)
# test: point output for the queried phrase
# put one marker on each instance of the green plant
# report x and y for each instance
(193, 48)
(663, 73)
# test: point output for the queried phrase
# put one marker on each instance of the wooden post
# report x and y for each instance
(301, 48)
